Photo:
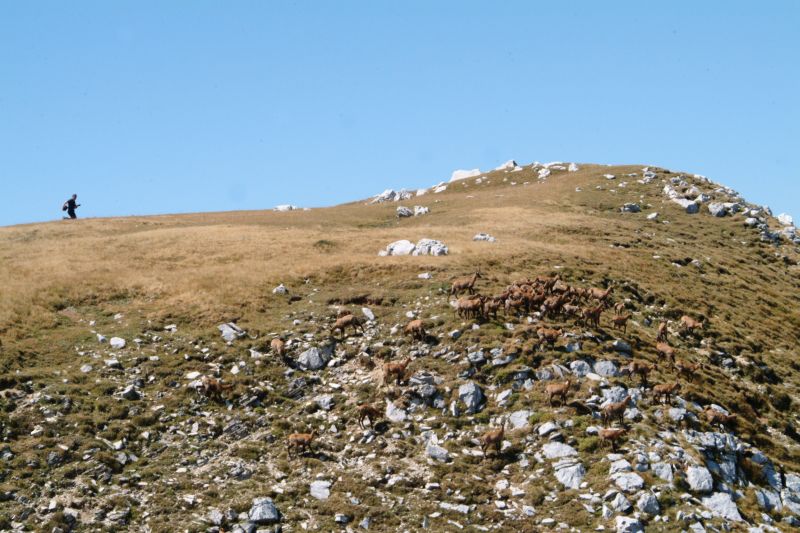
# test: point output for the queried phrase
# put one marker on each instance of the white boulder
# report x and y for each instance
(464, 174)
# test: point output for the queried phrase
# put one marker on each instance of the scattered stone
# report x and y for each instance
(648, 503)
(699, 479)
(471, 395)
(606, 368)
(630, 208)
(404, 212)
(280, 289)
(263, 511)
(315, 358)
(629, 482)
(117, 343)
(130, 393)
(624, 524)
(720, 504)
(519, 419)
(230, 331)
(484, 237)
(569, 472)
(320, 489)
(557, 450)
(438, 453)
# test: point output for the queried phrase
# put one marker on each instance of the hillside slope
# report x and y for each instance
(97, 436)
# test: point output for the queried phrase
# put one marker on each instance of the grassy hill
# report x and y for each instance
(76, 454)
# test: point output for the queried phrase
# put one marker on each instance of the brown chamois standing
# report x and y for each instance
(493, 438)
(611, 435)
(491, 307)
(367, 412)
(615, 410)
(470, 307)
(621, 322)
(213, 388)
(591, 315)
(395, 369)
(690, 324)
(641, 369)
(619, 307)
(662, 332)
(688, 370)
(558, 390)
(665, 391)
(667, 351)
(299, 442)
(600, 294)
(416, 328)
(278, 346)
(466, 283)
(515, 303)
(548, 336)
(716, 417)
(346, 321)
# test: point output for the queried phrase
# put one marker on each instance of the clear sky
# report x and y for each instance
(146, 107)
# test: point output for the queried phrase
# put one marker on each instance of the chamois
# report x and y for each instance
(619, 307)
(299, 442)
(716, 417)
(665, 391)
(666, 350)
(615, 410)
(591, 315)
(396, 369)
(690, 324)
(548, 336)
(346, 321)
(600, 294)
(611, 435)
(367, 412)
(689, 370)
(641, 368)
(662, 332)
(621, 322)
(559, 390)
(415, 328)
(213, 388)
(466, 283)
(493, 438)
(278, 346)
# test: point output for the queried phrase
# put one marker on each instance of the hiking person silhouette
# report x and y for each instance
(70, 206)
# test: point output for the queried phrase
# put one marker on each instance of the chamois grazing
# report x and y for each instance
(662, 332)
(666, 350)
(466, 283)
(346, 321)
(665, 391)
(416, 328)
(213, 388)
(558, 390)
(621, 322)
(395, 369)
(299, 442)
(493, 438)
(278, 346)
(611, 435)
(688, 370)
(615, 410)
(548, 336)
(690, 324)
(641, 369)
(367, 412)
(717, 417)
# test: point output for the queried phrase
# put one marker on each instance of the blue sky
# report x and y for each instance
(159, 107)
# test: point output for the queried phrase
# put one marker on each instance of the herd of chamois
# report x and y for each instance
(551, 298)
